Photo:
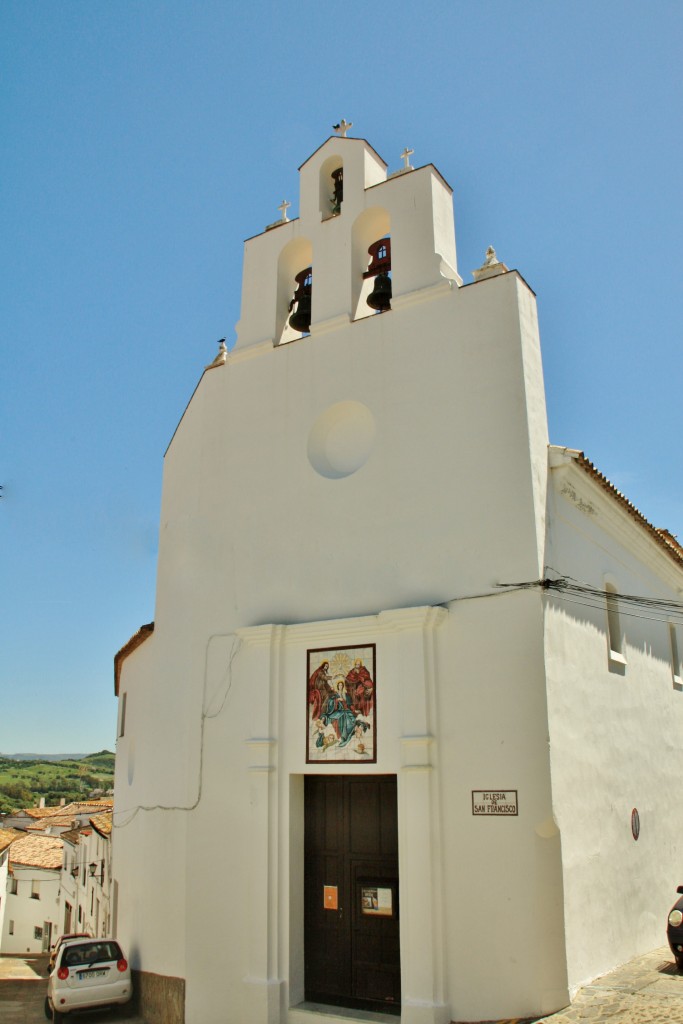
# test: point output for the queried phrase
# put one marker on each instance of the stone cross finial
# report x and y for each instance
(405, 157)
(342, 128)
(283, 207)
(491, 266)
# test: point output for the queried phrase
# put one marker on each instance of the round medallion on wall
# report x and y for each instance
(635, 823)
(341, 439)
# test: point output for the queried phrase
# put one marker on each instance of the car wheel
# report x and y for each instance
(679, 963)
(48, 1009)
(57, 1017)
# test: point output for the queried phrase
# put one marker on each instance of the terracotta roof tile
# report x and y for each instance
(8, 835)
(86, 807)
(73, 836)
(55, 820)
(37, 852)
(102, 823)
(663, 538)
(128, 648)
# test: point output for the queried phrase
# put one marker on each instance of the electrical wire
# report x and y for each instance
(563, 588)
(227, 676)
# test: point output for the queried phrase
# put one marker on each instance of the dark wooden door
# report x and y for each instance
(351, 917)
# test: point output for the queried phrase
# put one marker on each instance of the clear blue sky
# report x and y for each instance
(143, 141)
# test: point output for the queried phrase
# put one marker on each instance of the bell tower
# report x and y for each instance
(347, 206)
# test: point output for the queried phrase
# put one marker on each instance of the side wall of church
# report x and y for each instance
(615, 722)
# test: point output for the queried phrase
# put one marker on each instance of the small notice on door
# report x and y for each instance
(376, 901)
(501, 802)
(330, 898)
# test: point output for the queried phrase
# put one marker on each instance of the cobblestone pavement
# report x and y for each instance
(647, 990)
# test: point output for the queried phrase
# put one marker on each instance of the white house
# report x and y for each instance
(31, 912)
(86, 877)
(7, 837)
(403, 733)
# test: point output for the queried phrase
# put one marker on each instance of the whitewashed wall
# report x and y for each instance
(4, 865)
(366, 481)
(616, 731)
(27, 913)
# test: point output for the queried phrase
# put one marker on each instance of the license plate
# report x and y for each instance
(82, 975)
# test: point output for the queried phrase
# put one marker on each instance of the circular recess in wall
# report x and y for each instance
(341, 439)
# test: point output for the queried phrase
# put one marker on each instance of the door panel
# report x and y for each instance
(352, 954)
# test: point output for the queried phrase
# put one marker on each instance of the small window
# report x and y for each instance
(13, 886)
(35, 890)
(676, 666)
(122, 715)
(11, 927)
(37, 933)
(615, 635)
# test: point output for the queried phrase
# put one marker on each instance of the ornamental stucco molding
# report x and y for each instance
(364, 627)
(586, 507)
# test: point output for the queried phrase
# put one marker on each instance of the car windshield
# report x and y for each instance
(90, 953)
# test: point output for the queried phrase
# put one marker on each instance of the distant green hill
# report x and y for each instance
(43, 757)
(24, 782)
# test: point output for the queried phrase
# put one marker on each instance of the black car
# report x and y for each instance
(674, 930)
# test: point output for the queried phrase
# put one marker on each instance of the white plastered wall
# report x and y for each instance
(615, 730)
(28, 914)
(439, 495)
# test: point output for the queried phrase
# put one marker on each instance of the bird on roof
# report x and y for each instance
(343, 127)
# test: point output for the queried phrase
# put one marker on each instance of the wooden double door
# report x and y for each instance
(351, 915)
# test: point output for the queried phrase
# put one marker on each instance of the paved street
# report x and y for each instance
(23, 983)
(648, 990)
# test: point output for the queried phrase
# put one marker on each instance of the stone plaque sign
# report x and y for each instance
(491, 802)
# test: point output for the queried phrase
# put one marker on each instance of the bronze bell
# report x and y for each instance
(338, 198)
(380, 296)
(300, 320)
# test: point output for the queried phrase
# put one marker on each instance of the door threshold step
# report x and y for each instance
(310, 1013)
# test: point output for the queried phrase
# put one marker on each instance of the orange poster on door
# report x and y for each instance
(330, 901)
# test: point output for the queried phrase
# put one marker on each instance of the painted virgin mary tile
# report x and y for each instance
(341, 705)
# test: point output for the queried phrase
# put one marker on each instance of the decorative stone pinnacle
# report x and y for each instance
(283, 207)
(342, 128)
(491, 266)
(221, 357)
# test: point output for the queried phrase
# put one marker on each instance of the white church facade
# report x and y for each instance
(404, 733)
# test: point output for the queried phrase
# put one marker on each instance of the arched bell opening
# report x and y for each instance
(371, 277)
(300, 304)
(331, 187)
(294, 291)
(379, 272)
